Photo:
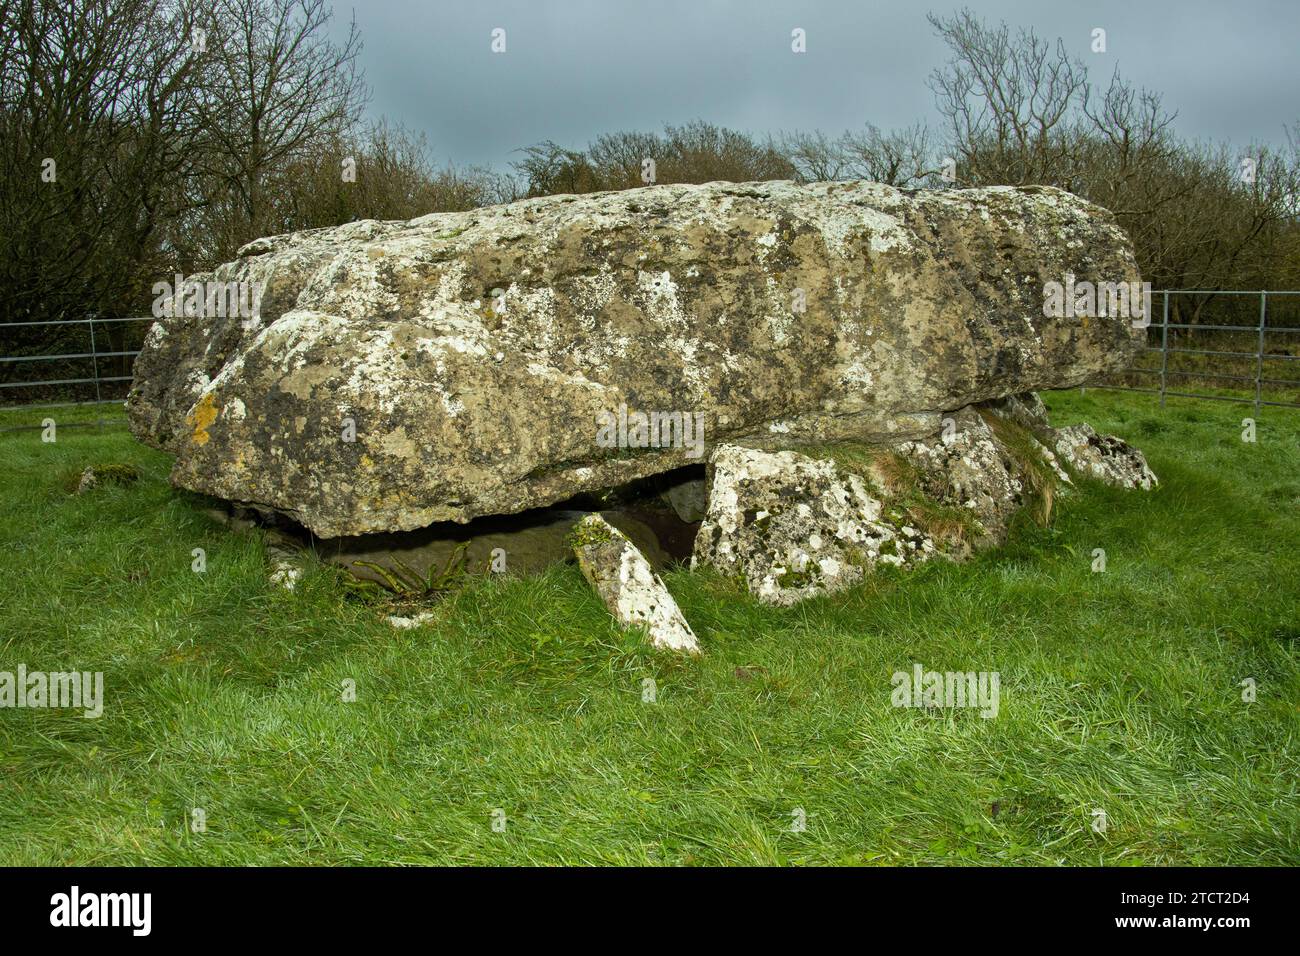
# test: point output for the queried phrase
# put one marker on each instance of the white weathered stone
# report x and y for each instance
(690, 500)
(1026, 410)
(1061, 475)
(631, 590)
(286, 575)
(795, 527)
(88, 481)
(403, 623)
(1104, 457)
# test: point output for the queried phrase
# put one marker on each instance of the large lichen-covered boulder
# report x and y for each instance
(462, 364)
(794, 527)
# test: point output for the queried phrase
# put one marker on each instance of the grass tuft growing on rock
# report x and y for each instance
(898, 484)
(1033, 469)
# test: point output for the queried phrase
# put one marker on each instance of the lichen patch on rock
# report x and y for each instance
(1104, 457)
(795, 527)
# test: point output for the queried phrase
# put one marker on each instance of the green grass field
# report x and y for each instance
(1120, 691)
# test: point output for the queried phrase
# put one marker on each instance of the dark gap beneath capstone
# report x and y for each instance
(652, 512)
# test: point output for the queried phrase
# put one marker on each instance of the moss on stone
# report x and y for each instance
(116, 473)
(588, 532)
(796, 580)
(95, 476)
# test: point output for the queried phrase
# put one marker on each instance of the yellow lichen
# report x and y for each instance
(203, 415)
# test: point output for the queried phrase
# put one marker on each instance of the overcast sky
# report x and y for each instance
(576, 68)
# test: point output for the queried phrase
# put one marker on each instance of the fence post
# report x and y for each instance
(1259, 351)
(94, 356)
(1164, 348)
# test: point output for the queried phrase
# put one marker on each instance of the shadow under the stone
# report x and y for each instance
(530, 541)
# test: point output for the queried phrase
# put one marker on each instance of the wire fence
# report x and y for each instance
(96, 371)
(95, 362)
(1234, 368)
(1241, 353)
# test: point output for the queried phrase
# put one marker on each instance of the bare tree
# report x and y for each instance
(1008, 101)
(392, 177)
(1020, 110)
(550, 169)
(275, 87)
(95, 108)
(903, 157)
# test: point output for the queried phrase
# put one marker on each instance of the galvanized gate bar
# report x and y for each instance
(1164, 348)
(1261, 329)
(1259, 352)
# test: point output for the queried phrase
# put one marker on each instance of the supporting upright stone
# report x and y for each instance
(796, 527)
(631, 590)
